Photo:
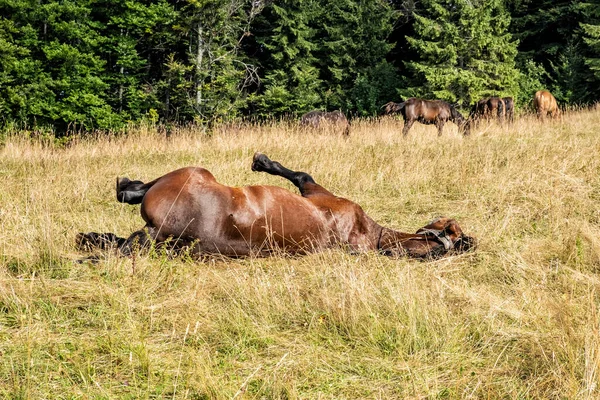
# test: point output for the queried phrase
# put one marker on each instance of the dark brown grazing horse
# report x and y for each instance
(335, 120)
(495, 107)
(490, 108)
(509, 108)
(428, 112)
(544, 104)
(189, 208)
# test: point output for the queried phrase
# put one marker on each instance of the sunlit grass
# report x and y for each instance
(518, 318)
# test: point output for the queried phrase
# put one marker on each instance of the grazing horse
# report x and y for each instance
(478, 111)
(544, 104)
(189, 208)
(322, 120)
(489, 108)
(428, 112)
(509, 107)
(496, 108)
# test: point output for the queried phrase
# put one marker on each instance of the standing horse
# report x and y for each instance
(428, 112)
(544, 104)
(489, 108)
(509, 107)
(188, 207)
(335, 120)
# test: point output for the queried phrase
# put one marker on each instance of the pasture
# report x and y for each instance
(517, 319)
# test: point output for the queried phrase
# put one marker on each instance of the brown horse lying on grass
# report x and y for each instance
(428, 112)
(189, 209)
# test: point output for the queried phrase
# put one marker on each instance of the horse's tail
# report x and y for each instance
(392, 108)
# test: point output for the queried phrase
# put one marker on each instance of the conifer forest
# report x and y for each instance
(100, 65)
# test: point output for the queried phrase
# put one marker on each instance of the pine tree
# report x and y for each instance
(351, 38)
(214, 31)
(465, 51)
(327, 54)
(548, 34)
(291, 83)
(591, 36)
(59, 81)
(139, 38)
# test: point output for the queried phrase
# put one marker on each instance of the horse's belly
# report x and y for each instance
(290, 231)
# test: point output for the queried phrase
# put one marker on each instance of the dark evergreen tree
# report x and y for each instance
(465, 51)
(590, 30)
(290, 79)
(325, 54)
(351, 38)
(139, 38)
(220, 73)
(59, 81)
(547, 31)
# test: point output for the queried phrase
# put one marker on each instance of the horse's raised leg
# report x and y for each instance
(303, 181)
(407, 125)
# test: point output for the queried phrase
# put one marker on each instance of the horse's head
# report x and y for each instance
(463, 124)
(447, 231)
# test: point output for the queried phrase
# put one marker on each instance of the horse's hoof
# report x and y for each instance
(260, 162)
(122, 183)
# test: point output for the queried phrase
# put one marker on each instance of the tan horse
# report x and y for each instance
(544, 104)
(189, 208)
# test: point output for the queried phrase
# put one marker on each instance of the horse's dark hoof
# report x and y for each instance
(86, 241)
(91, 259)
(92, 240)
(122, 183)
(260, 162)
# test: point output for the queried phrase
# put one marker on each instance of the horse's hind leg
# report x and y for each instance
(407, 125)
(131, 192)
(106, 241)
(303, 181)
(137, 240)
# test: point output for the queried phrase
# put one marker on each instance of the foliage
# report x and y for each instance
(591, 36)
(106, 65)
(465, 50)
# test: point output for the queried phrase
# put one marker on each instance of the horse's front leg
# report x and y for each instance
(303, 181)
(98, 241)
(440, 126)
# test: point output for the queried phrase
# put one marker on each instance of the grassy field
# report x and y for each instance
(516, 319)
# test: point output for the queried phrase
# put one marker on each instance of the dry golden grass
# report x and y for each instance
(517, 319)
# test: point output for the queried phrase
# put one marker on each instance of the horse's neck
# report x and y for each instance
(389, 238)
(398, 243)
